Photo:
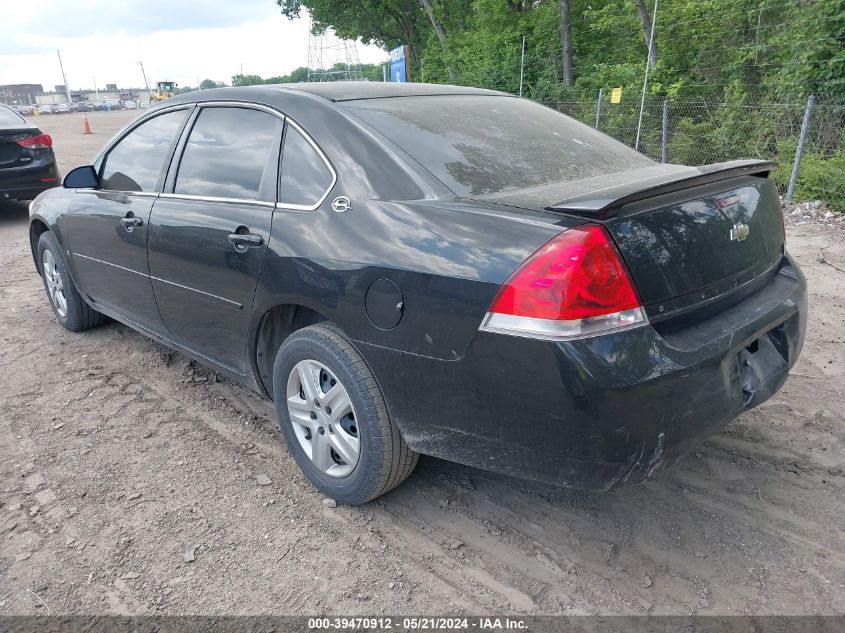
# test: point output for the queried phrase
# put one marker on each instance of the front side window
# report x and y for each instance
(135, 163)
(229, 154)
(305, 176)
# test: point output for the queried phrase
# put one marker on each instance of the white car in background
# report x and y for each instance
(45, 108)
(130, 105)
(62, 108)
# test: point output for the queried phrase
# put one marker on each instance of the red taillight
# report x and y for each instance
(575, 285)
(42, 141)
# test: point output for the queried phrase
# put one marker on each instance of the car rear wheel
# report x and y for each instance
(334, 417)
(70, 308)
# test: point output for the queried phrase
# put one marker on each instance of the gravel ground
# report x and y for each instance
(128, 486)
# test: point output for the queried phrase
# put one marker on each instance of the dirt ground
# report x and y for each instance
(128, 485)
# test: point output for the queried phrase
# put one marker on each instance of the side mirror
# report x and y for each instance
(81, 178)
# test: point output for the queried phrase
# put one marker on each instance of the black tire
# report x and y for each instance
(79, 315)
(384, 459)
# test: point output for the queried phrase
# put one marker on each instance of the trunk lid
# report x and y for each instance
(12, 154)
(690, 236)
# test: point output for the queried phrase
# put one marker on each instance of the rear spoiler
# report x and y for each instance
(606, 203)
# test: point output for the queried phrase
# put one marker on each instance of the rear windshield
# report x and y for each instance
(483, 145)
(10, 117)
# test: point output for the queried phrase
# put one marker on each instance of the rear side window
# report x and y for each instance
(488, 144)
(305, 178)
(135, 163)
(229, 154)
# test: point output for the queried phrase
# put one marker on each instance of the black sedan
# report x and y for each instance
(411, 269)
(27, 162)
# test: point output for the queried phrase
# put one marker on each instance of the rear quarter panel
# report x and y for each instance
(448, 260)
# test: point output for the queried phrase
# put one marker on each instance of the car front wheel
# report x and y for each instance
(70, 308)
(334, 418)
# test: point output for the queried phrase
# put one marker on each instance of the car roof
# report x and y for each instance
(330, 91)
(351, 90)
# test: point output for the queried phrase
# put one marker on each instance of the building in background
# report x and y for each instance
(34, 94)
(20, 94)
(92, 96)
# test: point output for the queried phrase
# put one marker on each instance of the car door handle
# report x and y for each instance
(131, 222)
(243, 241)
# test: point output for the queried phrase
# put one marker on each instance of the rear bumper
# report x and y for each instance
(27, 181)
(25, 193)
(598, 412)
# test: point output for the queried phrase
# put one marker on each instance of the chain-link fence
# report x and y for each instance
(711, 131)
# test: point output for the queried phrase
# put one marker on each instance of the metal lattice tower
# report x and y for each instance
(331, 58)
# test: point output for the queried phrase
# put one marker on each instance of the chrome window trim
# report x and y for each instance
(248, 105)
(313, 144)
(241, 104)
(126, 130)
(187, 196)
(141, 194)
(122, 134)
(224, 104)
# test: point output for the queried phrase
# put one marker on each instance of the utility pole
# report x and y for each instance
(64, 77)
(799, 152)
(598, 107)
(647, 68)
(96, 91)
(146, 83)
(522, 66)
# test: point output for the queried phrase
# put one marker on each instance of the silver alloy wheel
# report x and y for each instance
(55, 283)
(323, 418)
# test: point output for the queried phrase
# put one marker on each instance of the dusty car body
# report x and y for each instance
(511, 289)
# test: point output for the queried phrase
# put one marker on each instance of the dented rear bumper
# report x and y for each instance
(603, 411)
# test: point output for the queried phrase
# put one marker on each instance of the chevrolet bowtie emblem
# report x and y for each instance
(739, 232)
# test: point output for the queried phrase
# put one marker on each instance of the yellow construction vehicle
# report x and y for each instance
(164, 90)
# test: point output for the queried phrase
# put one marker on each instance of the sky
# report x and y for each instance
(177, 40)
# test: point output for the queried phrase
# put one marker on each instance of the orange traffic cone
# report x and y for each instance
(86, 127)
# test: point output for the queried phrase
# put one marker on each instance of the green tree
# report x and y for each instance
(386, 23)
(811, 52)
(246, 80)
(724, 60)
(297, 75)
